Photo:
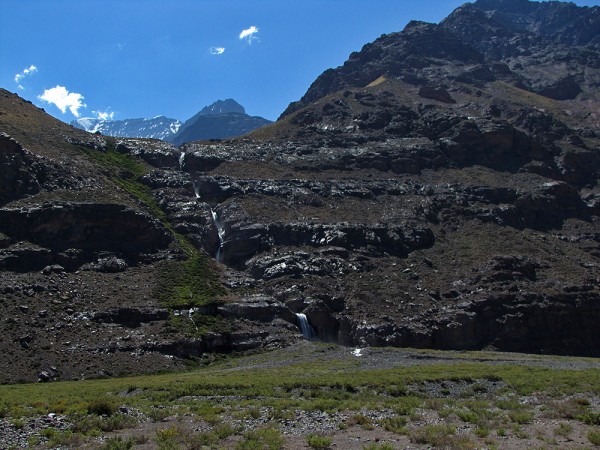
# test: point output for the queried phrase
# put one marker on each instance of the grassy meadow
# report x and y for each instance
(254, 402)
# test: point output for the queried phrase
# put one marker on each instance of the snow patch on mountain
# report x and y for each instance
(159, 127)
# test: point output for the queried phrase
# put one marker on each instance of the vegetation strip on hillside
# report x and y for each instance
(188, 283)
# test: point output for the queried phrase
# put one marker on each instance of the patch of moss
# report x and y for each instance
(200, 324)
(188, 283)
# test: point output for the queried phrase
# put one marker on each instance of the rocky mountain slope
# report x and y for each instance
(435, 191)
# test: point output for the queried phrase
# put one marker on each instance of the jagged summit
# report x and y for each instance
(222, 107)
(564, 23)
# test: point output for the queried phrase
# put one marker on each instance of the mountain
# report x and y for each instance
(159, 127)
(223, 119)
(549, 48)
(440, 189)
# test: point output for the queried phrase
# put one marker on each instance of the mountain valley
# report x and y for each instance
(438, 190)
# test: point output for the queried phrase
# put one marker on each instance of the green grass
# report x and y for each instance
(324, 380)
(224, 391)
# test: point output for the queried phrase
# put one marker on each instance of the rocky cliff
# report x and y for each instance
(440, 189)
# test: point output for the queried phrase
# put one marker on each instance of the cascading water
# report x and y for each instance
(220, 233)
(181, 160)
(307, 330)
(196, 188)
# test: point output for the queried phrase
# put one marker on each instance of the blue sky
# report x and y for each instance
(144, 58)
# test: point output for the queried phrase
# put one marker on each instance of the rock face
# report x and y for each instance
(440, 189)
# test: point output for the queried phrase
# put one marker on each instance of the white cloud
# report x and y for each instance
(249, 34)
(63, 99)
(216, 50)
(27, 71)
(105, 115)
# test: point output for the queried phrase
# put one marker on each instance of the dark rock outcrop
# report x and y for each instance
(91, 227)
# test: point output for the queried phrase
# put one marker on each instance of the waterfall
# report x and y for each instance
(187, 312)
(181, 160)
(196, 188)
(307, 330)
(220, 232)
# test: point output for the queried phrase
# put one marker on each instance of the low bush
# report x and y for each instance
(594, 437)
(261, 439)
(102, 406)
(318, 441)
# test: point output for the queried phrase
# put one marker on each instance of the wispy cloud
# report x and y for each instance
(63, 99)
(27, 71)
(216, 50)
(105, 115)
(250, 34)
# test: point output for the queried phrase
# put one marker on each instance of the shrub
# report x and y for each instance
(202, 440)
(564, 429)
(591, 418)
(4, 409)
(102, 406)
(467, 416)
(168, 438)
(436, 435)
(395, 424)
(521, 417)
(594, 437)
(117, 443)
(86, 424)
(405, 406)
(318, 441)
(265, 438)
(482, 431)
(384, 446)
(66, 439)
(359, 419)
(223, 430)
(18, 423)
